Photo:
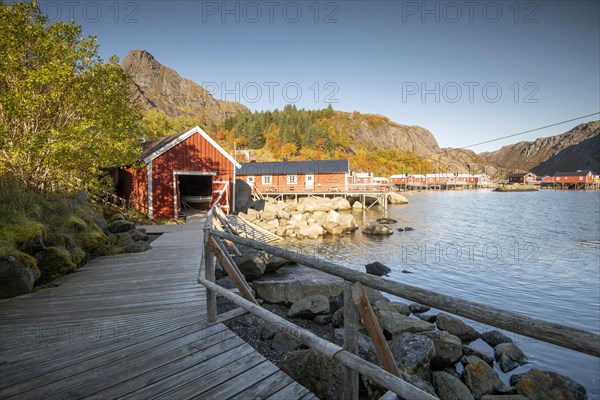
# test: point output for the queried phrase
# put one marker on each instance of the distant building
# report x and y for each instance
(296, 176)
(361, 178)
(526, 177)
(574, 177)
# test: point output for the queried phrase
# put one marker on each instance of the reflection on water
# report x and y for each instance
(537, 253)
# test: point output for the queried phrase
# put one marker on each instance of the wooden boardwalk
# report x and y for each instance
(131, 326)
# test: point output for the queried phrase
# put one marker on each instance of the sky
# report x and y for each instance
(468, 71)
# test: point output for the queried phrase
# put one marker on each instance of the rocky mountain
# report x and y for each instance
(160, 87)
(576, 149)
(464, 161)
(377, 131)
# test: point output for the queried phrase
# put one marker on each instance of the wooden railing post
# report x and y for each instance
(209, 273)
(351, 323)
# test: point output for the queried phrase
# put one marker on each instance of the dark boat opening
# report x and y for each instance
(195, 192)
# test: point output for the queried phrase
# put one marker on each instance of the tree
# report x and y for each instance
(65, 116)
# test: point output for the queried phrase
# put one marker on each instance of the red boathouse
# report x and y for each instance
(187, 169)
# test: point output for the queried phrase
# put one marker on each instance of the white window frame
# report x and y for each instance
(250, 180)
(267, 180)
(292, 179)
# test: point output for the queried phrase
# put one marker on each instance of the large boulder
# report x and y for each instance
(377, 229)
(120, 225)
(333, 228)
(138, 235)
(395, 198)
(294, 282)
(312, 231)
(411, 351)
(243, 193)
(366, 349)
(309, 307)
(318, 373)
(348, 222)
(480, 378)
(392, 306)
(53, 263)
(377, 268)
(284, 343)
(357, 205)
(449, 387)
(252, 263)
(448, 349)
(546, 385)
(274, 263)
(394, 324)
(18, 273)
(509, 356)
(456, 327)
(495, 337)
(472, 351)
(341, 204)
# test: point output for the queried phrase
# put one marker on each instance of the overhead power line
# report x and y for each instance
(529, 131)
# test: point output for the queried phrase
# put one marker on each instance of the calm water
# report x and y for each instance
(536, 253)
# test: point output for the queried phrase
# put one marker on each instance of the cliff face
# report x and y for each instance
(576, 149)
(162, 88)
(377, 131)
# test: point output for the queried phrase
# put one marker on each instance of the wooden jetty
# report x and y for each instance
(132, 326)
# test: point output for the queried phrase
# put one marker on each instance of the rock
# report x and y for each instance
(456, 327)
(509, 356)
(137, 247)
(503, 397)
(309, 307)
(394, 324)
(342, 204)
(274, 263)
(318, 373)
(284, 343)
(137, 235)
(411, 351)
(312, 231)
(357, 205)
(448, 349)
(267, 332)
(495, 337)
(294, 282)
(419, 383)
(333, 216)
(427, 317)
(33, 245)
(377, 229)
(283, 214)
(121, 240)
(366, 349)
(418, 308)
(386, 220)
(53, 263)
(408, 229)
(323, 319)
(333, 228)
(374, 295)
(18, 273)
(98, 220)
(243, 194)
(480, 378)
(377, 268)
(120, 225)
(472, 351)
(116, 217)
(336, 302)
(395, 198)
(252, 263)
(392, 306)
(449, 387)
(348, 222)
(337, 319)
(546, 385)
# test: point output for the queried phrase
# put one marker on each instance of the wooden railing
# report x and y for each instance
(218, 243)
(320, 188)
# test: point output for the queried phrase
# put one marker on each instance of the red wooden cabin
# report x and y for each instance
(185, 169)
(574, 177)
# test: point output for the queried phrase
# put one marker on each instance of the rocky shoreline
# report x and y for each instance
(517, 187)
(311, 217)
(435, 351)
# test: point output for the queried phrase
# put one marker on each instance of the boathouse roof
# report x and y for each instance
(294, 167)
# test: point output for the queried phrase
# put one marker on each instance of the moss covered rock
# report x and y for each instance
(95, 243)
(76, 224)
(18, 273)
(53, 263)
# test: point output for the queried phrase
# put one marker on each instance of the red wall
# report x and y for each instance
(193, 154)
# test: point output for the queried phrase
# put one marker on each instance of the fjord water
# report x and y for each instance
(536, 253)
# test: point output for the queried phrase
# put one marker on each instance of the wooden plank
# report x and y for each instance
(231, 269)
(209, 272)
(351, 324)
(241, 382)
(368, 316)
(561, 335)
(265, 387)
(292, 391)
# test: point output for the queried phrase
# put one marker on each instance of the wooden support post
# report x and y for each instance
(209, 273)
(351, 323)
(231, 268)
(368, 317)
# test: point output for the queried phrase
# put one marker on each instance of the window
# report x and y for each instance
(250, 180)
(292, 179)
(267, 180)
